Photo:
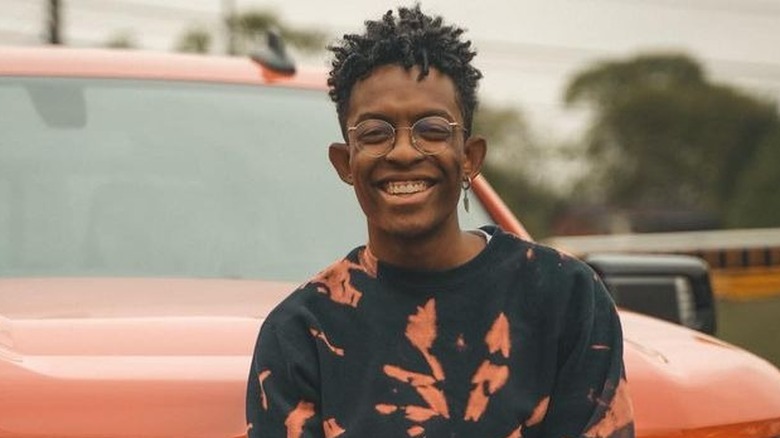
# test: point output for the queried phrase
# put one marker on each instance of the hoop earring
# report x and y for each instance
(466, 186)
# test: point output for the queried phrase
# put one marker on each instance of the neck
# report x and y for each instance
(441, 250)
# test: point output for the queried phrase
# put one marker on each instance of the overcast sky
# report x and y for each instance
(527, 48)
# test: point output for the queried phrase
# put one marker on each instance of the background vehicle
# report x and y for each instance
(155, 207)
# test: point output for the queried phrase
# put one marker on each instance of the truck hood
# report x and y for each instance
(128, 357)
(700, 381)
(164, 357)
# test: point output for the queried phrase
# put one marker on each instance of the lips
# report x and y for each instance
(405, 187)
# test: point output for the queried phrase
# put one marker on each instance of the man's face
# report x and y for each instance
(405, 193)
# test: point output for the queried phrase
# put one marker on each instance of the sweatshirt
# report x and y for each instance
(521, 341)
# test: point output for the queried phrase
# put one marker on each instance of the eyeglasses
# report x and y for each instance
(430, 135)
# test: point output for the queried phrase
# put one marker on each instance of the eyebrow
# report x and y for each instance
(390, 120)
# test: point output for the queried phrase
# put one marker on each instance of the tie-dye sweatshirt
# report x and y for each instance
(521, 341)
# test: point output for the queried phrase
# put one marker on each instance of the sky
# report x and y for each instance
(528, 49)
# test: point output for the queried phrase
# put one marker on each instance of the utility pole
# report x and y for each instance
(53, 22)
(228, 18)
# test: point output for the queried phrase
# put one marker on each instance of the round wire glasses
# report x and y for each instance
(429, 135)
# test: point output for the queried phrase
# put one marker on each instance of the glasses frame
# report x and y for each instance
(391, 145)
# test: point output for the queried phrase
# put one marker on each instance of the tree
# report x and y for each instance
(664, 137)
(195, 40)
(250, 27)
(515, 166)
(122, 40)
(248, 31)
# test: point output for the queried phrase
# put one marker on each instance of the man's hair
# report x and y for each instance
(412, 39)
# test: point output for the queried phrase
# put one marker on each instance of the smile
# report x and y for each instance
(405, 187)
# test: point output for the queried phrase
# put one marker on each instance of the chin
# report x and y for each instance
(412, 228)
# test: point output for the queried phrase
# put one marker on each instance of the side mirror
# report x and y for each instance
(675, 288)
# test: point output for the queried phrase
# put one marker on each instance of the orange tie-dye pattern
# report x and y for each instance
(332, 429)
(486, 381)
(421, 332)
(321, 336)
(539, 412)
(498, 336)
(263, 398)
(490, 377)
(619, 414)
(424, 385)
(297, 418)
(415, 431)
(335, 282)
(517, 433)
(369, 261)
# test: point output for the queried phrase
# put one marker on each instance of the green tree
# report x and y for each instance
(195, 40)
(122, 40)
(249, 29)
(759, 202)
(514, 165)
(664, 136)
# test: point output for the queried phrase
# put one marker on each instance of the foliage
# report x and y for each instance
(759, 202)
(665, 137)
(248, 31)
(250, 27)
(195, 40)
(122, 40)
(513, 166)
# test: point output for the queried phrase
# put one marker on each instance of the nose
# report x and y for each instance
(403, 150)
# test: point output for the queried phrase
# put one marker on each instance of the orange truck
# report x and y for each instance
(154, 207)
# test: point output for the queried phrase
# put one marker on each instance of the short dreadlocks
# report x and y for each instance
(413, 39)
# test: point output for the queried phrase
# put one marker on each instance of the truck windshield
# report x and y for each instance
(105, 177)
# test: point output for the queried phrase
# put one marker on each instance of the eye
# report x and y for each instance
(373, 132)
(433, 129)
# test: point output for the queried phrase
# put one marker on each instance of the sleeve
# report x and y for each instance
(590, 397)
(282, 388)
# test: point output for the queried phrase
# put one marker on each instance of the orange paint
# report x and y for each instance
(332, 428)
(421, 332)
(619, 414)
(336, 282)
(488, 379)
(497, 338)
(321, 336)
(263, 398)
(297, 418)
(538, 413)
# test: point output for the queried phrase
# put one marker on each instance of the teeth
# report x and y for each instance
(405, 187)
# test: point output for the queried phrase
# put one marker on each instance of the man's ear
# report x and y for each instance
(474, 152)
(339, 158)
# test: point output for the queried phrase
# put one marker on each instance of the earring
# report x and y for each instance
(466, 185)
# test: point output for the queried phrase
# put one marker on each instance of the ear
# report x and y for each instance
(339, 158)
(474, 151)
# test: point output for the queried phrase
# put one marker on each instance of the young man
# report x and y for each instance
(429, 330)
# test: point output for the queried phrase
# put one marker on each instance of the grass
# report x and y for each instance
(753, 325)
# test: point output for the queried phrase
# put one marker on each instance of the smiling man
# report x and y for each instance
(429, 330)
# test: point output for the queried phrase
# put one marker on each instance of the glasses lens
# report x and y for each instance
(374, 136)
(432, 134)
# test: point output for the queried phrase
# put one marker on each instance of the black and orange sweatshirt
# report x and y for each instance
(521, 341)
